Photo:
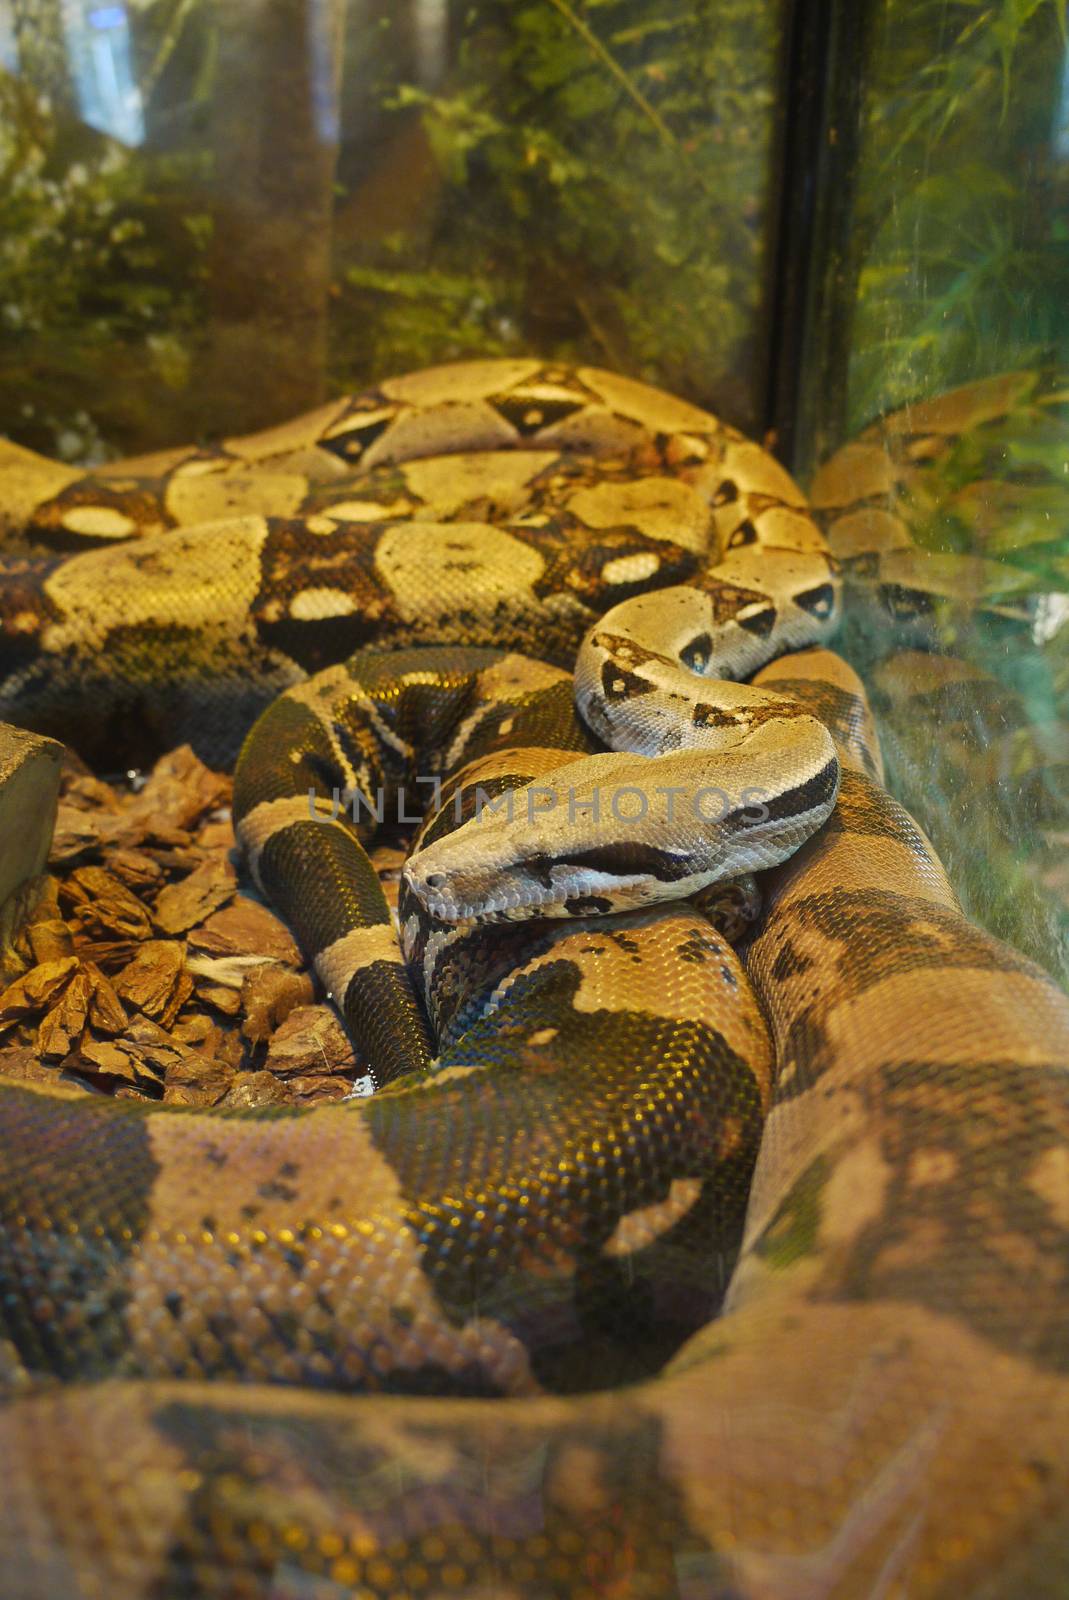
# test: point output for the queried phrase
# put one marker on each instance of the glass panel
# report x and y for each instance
(216, 212)
(938, 344)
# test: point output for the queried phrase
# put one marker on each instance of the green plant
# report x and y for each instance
(101, 271)
(961, 252)
(604, 173)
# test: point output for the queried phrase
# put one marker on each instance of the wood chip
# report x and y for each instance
(102, 905)
(137, 869)
(258, 1089)
(197, 1079)
(217, 833)
(33, 903)
(35, 990)
(195, 1095)
(204, 1033)
(181, 905)
(310, 1089)
(311, 1039)
(230, 1047)
(268, 995)
(63, 1025)
(109, 954)
(246, 928)
(22, 1064)
(50, 941)
(152, 1044)
(46, 904)
(226, 1000)
(87, 793)
(179, 790)
(107, 1058)
(197, 1030)
(172, 847)
(78, 832)
(120, 1004)
(155, 982)
(106, 1013)
(147, 1056)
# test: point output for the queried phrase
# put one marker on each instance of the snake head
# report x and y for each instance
(615, 831)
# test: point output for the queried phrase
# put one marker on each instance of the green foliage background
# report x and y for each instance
(599, 190)
(102, 252)
(604, 190)
(594, 180)
(956, 266)
(962, 198)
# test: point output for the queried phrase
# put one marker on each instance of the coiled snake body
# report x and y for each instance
(881, 1407)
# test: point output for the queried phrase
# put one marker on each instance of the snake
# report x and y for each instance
(652, 1266)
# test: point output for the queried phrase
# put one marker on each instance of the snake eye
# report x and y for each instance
(695, 655)
(759, 619)
(819, 602)
(905, 603)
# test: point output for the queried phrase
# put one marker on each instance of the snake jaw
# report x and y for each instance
(569, 847)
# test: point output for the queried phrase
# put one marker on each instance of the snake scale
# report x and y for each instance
(363, 1350)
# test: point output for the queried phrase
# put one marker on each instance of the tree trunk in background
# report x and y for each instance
(275, 138)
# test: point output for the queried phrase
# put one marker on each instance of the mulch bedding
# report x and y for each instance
(148, 968)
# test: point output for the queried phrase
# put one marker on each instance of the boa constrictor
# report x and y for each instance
(881, 1406)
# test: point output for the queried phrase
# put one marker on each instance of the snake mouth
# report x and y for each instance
(579, 885)
(483, 872)
(815, 794)
(522, 891)
(471, 913)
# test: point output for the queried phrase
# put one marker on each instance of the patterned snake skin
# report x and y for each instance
(878, 1404)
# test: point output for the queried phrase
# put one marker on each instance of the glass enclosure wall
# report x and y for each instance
(943, 177)
(937, 353)
(215, 212)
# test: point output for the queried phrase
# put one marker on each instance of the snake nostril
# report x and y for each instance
(436, 880)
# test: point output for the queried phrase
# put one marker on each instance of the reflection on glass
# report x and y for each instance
(430, 27)
(98, 49)
(595, 183)
(940, 331)
(322, 68)
(9, 50)
(1060, 134)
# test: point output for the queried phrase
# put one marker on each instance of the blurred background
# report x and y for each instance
(215, 212)
(803, 214)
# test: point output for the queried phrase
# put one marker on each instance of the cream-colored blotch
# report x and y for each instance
(654, 408)
(459, 381)
(353, 950)
(313, 605)
(99, 522)
(146, 583)
(423, 564)
(26, 481)
(208, 497)
(447, 483)
(641, 1227)
(299, 434)
(662, 508)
